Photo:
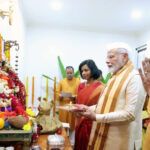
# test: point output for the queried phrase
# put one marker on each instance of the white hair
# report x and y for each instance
(121, 47)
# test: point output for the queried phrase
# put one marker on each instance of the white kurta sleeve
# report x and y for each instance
(92, 107)
(134, 100)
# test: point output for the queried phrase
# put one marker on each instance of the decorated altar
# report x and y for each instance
(14, 120)
(19, 125)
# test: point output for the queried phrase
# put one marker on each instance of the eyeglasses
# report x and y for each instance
(113, 56)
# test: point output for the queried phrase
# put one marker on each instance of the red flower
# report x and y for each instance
(59, 132)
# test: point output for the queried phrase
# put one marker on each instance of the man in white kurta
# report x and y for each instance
(118, 114)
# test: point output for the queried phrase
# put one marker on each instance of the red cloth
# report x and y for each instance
(17, 106)
(87, 97)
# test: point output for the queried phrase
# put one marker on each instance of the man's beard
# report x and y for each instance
(116, 67)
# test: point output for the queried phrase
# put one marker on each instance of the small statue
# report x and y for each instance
(49, 124)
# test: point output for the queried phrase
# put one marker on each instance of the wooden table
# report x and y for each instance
(42, 141)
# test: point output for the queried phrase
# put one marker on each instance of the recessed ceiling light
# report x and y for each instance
(56, 5)
(136, 14)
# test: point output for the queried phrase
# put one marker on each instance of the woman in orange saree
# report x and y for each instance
(88, 94)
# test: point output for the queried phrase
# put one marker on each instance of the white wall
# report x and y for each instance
(143, 37)
(38, 55)
(14, 32)
(44, 44)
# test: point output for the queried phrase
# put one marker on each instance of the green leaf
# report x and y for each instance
(102, 80)
(62, 68)
(57, 112)
(77, 73)
(107, 78)
(47, 77)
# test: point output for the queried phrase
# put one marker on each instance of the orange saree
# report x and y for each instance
(87, 95)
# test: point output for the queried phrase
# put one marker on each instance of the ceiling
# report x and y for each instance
(103, 15)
